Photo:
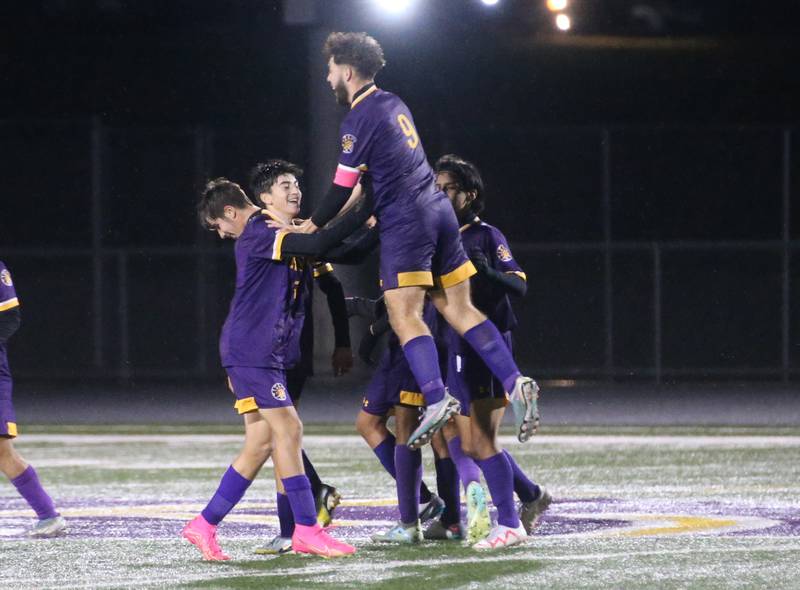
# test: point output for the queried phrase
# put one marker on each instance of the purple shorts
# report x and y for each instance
(258, 388)
(8, 418)
(392, 384)
(422, 246)
(469, 379)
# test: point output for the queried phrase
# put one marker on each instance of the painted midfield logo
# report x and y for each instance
(348, 142)
(5, 278)
(279, 392)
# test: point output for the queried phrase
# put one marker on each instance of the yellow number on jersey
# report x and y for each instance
(408, 130)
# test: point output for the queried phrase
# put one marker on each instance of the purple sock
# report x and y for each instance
(285, 516)
(298, 489)
(385, 454)
(231, 489)
(28, 486)
(447, 486)
(487, 341)
(526, 490)
(409, 475)
(467, 468)
(500, 479)
(424, 363)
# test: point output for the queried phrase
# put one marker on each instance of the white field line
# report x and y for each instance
(345, 566)
(677, 440)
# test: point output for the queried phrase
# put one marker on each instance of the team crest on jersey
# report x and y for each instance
(279, 392)
(5, 278)
(503, 253)
(348, 143)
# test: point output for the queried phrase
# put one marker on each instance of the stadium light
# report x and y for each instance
(490, 2)
(395, 6)
(557, 5)
(563, 22)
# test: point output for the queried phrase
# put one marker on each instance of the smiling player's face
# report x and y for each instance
(336, 78)
(284, 197)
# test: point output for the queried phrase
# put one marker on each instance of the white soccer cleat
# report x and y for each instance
(525, 402)
(501, 537)
(435, 417)
(49, 527)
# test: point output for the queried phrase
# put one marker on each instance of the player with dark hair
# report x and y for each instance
(482, 396)
(420, 244)
(22, 475)
(259, 342)
(275, 184)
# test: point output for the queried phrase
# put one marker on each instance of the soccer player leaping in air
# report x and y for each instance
(22, 475)
(420, 245)
(259, 341)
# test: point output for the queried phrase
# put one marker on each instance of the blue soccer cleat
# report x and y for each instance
(401, 534)
(435, 417)
(524, 401)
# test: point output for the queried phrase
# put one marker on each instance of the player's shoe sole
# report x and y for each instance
(531, 512)
(433, 508)
(479, 522)
(435, 417)
(326, 501)
(525, 403)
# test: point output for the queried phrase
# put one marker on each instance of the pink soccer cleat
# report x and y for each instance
(204, 536)
(313, 539)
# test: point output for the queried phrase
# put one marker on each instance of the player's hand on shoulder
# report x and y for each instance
(342, 360)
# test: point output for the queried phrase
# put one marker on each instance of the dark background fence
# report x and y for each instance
(651, 252)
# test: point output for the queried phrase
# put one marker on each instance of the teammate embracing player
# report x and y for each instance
(420, 244)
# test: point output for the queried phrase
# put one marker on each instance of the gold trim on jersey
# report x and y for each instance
(11, 428)
(459, 275)
(9, 303)
(519, 273)
(475, 221)
(276, 247)
(362, 97)
(417, 278)
(246, 405)
(412, 398)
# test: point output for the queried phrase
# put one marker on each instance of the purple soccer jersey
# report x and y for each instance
(8, 300)
(268, 308)
(468, 377)
(418, 230)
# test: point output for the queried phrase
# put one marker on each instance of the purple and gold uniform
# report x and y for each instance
(261, 336)
(8, 300)
(393, 382)
(468, 377)
(419, 238)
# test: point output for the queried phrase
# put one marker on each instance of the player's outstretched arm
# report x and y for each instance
(317, 244)
(342, 358)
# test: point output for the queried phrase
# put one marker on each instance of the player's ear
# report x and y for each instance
(264, 199)
(229, 212)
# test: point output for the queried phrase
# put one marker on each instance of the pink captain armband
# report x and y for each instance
(346, 176)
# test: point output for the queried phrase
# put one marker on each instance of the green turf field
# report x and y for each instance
(635, 508)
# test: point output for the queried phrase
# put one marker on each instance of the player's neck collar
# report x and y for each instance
(470, 222)
(363, 93)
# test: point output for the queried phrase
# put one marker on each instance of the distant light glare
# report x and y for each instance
(490, 2)
(394, 5)
(557, 5)
(563, 22)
